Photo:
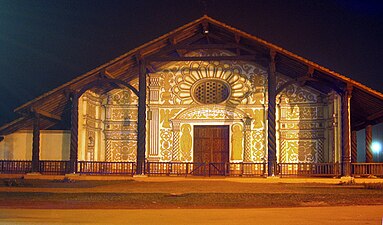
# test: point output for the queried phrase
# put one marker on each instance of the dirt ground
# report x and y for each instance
(345, 215)
(177, 193)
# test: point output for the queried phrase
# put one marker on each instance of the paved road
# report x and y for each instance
(350, 215)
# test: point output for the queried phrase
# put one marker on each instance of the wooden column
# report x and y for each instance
(36, 144)
(369, 157)
(354, 147)
(271, 135)
(346, 133)
(141, 142)
(73, 156)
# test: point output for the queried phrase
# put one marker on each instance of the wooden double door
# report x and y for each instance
(211, 144)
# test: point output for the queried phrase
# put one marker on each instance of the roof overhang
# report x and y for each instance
(207, 33)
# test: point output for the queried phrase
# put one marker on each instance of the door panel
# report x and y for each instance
(211, 144)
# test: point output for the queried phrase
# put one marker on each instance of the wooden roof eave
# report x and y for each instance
(158, 43)
(7, 128)
(131, 53)
(299, 58)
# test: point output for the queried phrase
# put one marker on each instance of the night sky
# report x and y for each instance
(44, 44)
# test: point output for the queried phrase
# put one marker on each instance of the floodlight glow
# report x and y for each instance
(376, 147)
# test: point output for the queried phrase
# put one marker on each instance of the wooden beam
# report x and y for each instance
(122, 84)
(237, 40)
(201, 58)
(209, 46)
(46, 114)
(299, 80)
(205, 30)
(170, 48)
(173, 43)
(370, 120)
(375, 116)
(151, 68)
(240, 46)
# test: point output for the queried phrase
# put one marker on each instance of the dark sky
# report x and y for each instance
(46, 43)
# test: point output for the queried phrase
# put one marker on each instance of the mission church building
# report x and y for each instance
(204, 99)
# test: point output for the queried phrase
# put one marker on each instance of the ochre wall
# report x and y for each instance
(54, 145)
(307, 126)
(304, 118)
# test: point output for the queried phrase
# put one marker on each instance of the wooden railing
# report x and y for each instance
(57, 167)
(175, 168)
(204, 169)
(104, 168)
(308, 169)
(54, 167)
(366, 169)
(247, 169)
(15, 166)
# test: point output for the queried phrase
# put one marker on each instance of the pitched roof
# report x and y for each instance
(125, 68)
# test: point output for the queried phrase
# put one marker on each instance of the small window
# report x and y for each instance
(211, 92)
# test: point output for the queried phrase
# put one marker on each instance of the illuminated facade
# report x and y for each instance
(182, 95)
(198, 95)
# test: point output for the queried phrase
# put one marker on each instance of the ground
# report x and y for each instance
(225, 199)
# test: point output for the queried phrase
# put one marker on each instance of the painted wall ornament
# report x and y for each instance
(236, 142)
(186, 142)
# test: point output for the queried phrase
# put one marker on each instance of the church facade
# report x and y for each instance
(205, 97)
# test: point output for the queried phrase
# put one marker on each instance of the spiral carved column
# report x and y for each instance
(36, 144)
(141, 142)
(271, 144)
(73, 156)
(354, 147)
(369, 157)
(346, 142)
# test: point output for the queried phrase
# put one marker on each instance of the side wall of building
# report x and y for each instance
(54, 145)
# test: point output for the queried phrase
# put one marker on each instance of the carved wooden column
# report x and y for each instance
(73, 155)
(271, 147)
(346, 138)
(36, 144)
(354, 147)
(141, 142)
(369, 157)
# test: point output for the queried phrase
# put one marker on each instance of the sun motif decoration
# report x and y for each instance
(210, 83)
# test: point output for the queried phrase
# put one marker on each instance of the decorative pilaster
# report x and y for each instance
(354, 147)
(369, 157)
(73, 155)
(154, 132)
(141, 142)
(346, 133)
(247, 152)
(154, 97)
(36, 144)
(271, 144)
